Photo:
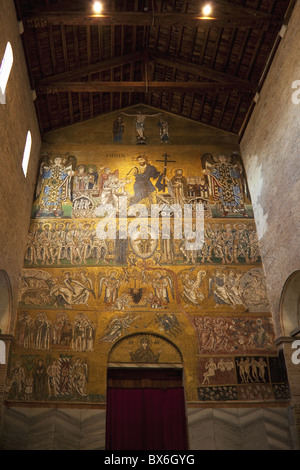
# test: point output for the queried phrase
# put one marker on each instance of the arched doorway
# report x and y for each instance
(145, 395)
(289, 342)
(290, 305)
(5, 302)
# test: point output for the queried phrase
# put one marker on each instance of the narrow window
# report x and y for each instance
(5, 69)
(2, 353)
(26, 154)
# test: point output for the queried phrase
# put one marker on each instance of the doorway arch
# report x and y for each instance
(145, 348)
(290, 305)
(145, 395)
(5, 302)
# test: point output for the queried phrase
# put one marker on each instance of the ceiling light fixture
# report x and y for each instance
(207, 10)
(97, 7)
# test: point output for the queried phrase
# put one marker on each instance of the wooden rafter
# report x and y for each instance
(37, 19)
(97, 67)
(82, 65)
(139, 86)
(200, 70)
(74, 76)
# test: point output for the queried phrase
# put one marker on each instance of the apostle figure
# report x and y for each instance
(177, 187)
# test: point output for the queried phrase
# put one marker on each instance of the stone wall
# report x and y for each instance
(208, 429)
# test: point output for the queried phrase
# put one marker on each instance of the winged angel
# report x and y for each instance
(54, 185)
(163, 286)
(110, 284)
(117, 327)
(191, 286)
(227, 182)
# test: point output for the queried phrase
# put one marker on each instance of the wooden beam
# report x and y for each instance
(98, 67)
(200, 70)
(222, 6)
(42, 18)
(186, 67)
(110, 86)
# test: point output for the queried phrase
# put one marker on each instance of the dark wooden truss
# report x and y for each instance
(162, 53)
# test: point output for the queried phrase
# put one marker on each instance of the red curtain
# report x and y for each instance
(146, 419)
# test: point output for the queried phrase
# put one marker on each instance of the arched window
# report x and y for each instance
(5, 301)
(26, 153)
(2, 352)
(5, 70)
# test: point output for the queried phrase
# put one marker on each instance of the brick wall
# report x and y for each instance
(270, 149)
(17, 117)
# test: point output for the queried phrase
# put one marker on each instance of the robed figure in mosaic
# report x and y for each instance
(54, 185)
(143, 173)
(226, 182)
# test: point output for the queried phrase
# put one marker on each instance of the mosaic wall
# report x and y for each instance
(86, 301)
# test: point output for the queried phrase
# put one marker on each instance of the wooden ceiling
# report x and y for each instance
(161, 53)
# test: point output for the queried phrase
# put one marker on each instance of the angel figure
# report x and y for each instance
(161, 284)
(116, 327)
(168, 324)
(54, 185)
(191, 286)
(227, 182)
(111, 284)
